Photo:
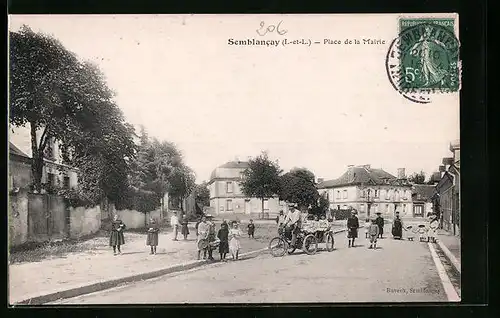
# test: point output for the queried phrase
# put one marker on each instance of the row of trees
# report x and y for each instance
(63, 98)
(265, 179)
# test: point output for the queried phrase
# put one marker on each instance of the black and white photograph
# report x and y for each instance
(234, 159)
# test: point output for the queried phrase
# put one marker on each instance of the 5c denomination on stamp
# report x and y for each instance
(424, 59)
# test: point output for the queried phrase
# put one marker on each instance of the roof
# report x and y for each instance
(362, 175)
(16, 151)
(425, 191)
(235, 165)
(230, 165)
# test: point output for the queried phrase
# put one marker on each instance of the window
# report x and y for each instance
(266, 204)
(344, 196)
(338, 194)
(376, 207)
(387, 207)
(66, 182)
(222, 208)
(404, 208)
(229, 187)
(229, 205)
(362, 194)
(376, 193)
(388, 195)
(362, 207)
(51, 178)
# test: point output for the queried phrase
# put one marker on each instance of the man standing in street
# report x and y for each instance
(292, 221)
(174, 222)
(380, 223)
(352, 228)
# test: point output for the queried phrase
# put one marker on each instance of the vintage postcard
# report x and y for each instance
(163, 159)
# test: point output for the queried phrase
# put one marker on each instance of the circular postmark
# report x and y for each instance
(424, 60)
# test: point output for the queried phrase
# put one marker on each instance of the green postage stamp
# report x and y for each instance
(424, 59)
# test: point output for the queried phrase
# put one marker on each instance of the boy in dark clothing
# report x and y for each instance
(224, 240)
(380, 223)
(251, 229)
(352, 228)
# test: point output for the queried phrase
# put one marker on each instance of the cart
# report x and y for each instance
(310, 235)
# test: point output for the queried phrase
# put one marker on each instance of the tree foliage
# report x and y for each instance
(159, 168)
(202, 194)
(297, 186)
(261, 179)
(65, 99)
(417, 178)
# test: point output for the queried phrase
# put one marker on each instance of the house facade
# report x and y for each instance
(226, 196)
(369, 191)
(422, 200)
(54, 172)
(448, 191)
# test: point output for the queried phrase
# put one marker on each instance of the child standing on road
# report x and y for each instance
(234, 243)
(411, 232)
(223, 236)
(367, 226)
(116, 238)
(373, 232)
(251, 229)
(152, 239)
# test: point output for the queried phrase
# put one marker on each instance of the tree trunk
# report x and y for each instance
(37, 161)
(262, 215)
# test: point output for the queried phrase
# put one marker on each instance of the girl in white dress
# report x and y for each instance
(234, 242)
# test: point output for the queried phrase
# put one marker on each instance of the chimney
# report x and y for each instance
(320, 180)
(350, 174)
(367, 167)
(442, 168)
(401, 173)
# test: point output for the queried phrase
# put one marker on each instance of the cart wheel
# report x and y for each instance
(310, 245)
(330, 242)
(278, 247)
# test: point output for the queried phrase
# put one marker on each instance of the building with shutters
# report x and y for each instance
(226, 196)
(54, 172)
(369, 191)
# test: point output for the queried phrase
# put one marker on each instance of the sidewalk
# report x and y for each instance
(31, 279)
(97, 264)
(451, 242)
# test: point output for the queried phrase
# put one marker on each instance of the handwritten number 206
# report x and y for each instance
(263, 31)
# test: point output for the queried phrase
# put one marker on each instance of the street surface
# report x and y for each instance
(397, 271)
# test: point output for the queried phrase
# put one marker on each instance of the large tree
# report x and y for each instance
(297, 186)
(41, 74)
(181, 183)
(261, 179)
(202, 194)
(62, 98)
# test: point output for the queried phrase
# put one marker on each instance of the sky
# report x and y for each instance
(322, 107)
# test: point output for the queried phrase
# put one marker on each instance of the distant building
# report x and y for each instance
(422, 199)
(54, 172)
(448, 190)
(226, 196)
(369, 191)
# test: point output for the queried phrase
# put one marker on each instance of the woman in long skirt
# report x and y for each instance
(152, 239)
(116, 238)
(184, 227)
(223, 236)
(234, 243)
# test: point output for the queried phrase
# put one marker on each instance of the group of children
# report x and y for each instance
(228, 239)
(425, 232)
